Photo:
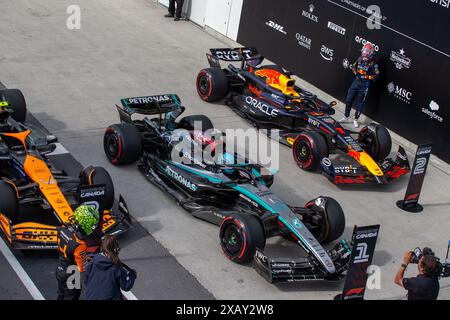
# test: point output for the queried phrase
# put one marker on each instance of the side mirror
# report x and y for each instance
(52, 139)
(44, 150)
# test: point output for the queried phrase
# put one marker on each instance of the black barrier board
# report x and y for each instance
(364, 240)
(419, 169)
(319, 39)
(92, 195)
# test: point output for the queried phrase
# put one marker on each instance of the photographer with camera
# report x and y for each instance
(425, 286)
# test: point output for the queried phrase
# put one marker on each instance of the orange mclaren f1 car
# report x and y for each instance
(267, 96)
(36, 197)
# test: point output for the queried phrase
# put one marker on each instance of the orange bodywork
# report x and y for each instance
(38, 171)
(32, 232)
(366, 160)
(279, 81)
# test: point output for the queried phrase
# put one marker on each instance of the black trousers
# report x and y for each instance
(357, 90)
(64, 293)
(179, 7)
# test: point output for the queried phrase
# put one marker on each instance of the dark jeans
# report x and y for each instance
(357, 90)
(179, 7)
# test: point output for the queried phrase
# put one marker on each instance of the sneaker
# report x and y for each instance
(177, 19)
(355, 123)
(169, 15)
(344, 119)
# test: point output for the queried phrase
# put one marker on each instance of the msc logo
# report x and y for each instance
(400, 93)
(276, 26)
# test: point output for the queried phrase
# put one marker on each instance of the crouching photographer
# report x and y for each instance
(425, 286)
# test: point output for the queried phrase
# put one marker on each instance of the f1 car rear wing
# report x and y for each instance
(248, 56)
(148, 105)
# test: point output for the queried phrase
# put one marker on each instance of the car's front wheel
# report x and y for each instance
(376, 141)
(332, 219)
(99, 175)
(9, 204)
(309, 149)
(240, 235)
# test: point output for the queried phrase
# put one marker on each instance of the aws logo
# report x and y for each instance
(327, 53)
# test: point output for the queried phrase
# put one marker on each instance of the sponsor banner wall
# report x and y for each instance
(318, 39)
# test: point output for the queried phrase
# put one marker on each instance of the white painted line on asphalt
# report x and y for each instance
(23, 276)
(129, 295)
(59, 150)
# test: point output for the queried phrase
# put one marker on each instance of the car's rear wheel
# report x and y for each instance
(376, 141)
(122, 143)
(212, 84)
(240, 235)
(332, 222)
(189, 122)
(9, 204)
(16, 102)
(309, 149)
(99, 175)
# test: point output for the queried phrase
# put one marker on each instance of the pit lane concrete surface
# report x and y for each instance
(73, 78)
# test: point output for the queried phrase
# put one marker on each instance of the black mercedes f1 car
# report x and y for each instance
(36, 196)
(229, 191)
(268, 97)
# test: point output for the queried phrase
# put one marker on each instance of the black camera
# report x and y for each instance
(417, 254)
(443, 269)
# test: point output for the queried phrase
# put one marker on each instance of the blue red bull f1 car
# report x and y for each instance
(269, 98)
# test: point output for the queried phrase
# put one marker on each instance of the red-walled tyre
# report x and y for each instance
(240, 235)
(308, 150)
(122, 143)
(212, 84)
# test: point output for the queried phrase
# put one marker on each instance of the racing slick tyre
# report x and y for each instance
(240, 235)
(376, 141)
(99, 175)
(122, 143)
(332, 224)
(16, 102)
(9, 205)
(212, 84)
(188, 122)
(309, 149)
